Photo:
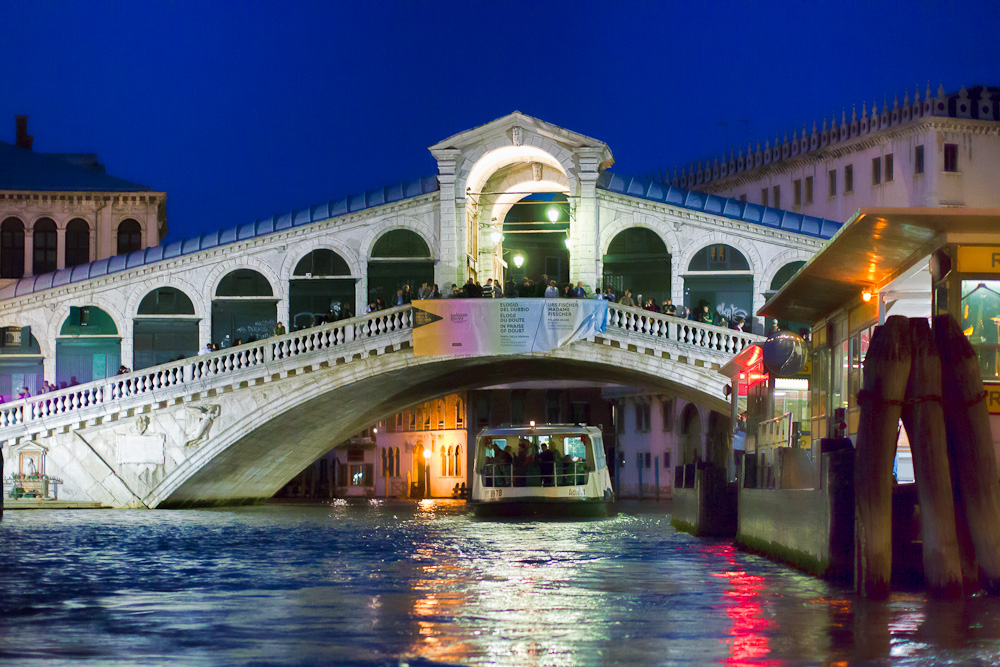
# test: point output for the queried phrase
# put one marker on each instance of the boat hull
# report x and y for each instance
(543, 508)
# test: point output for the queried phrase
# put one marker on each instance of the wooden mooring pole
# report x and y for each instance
(970, 447)
(923, 417)
(886, 370)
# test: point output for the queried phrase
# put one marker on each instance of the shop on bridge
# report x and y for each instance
(88, 347)
(20, 362)
(637, 259)
(321, 290)
(719, 276)
(400, 257)
(244, 308)
(165, 328)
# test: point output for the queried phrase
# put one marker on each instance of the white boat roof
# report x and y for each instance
(541, 429)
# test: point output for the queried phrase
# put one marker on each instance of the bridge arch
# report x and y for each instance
(779, 262)
(320, 282)
(80, 354)
(412, 265)
(299, 251)
(242, 449)
(486, 159)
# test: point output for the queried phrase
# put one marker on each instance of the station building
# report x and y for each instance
(933, 151)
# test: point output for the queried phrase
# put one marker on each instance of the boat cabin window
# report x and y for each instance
(535, 459)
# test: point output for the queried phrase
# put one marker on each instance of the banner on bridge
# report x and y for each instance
(504, 326)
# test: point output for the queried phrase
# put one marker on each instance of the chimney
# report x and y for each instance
(24, 140)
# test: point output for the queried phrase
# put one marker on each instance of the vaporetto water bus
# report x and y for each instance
(549, 469)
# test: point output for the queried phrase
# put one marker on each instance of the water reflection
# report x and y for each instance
(376, 582)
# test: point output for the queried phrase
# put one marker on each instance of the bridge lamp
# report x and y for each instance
(496, 237)
(569, 244)
(866, 295)
(552, 213)
(519, 260)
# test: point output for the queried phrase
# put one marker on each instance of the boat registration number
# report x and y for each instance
(576, 491)
(493, 494)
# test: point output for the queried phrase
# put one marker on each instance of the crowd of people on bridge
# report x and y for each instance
(548, 288)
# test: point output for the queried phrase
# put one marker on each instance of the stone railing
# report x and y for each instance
(203, 372)
(714, 341)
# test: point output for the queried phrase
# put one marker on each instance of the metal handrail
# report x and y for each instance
(502, 475)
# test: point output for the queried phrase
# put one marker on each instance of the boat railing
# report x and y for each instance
(509, 475)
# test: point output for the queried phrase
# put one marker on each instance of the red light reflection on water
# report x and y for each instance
(749, 634)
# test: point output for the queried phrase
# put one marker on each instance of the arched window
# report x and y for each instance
(244, 308)
(44, 246)
(459, 414)
(77, 242)
(315, 295)
(244, 282)
(20, 362)
(719, 257)
(396, 461)
(399, 257)
(458, 460)
(385, 462)
(785, 274)
(400, 244)
(445, 462)
(165, 328)
(88, 347)
(129, 236)
(12, 248)
(719, 277)
(638, 260)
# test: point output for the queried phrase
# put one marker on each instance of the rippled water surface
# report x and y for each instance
(419, 584)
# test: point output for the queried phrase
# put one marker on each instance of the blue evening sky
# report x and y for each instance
(240, 110)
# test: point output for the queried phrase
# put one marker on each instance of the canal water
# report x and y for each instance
(378, 583)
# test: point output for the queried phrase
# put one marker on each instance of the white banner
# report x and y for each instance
(504, 326)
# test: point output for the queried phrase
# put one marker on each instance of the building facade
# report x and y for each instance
(941, 150)
(61, 210)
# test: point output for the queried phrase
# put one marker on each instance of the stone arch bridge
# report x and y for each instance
(234, 426)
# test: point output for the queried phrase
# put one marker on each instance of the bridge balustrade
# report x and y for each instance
(154, 383)
(202, 372)
(686, 332)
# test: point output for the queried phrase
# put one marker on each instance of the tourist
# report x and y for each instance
(651, 306)
(424, 292)
(626, 299)
(542, 285)
(597, 293)
(24, 393)
(704, 315)
(579, 291)
(279, 329)
(551, 291)
(435, 293)
(669, 308)
(488, 292)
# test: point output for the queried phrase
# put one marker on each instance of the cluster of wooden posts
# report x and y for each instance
(929, 378)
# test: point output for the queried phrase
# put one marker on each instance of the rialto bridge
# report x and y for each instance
(184, 428)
